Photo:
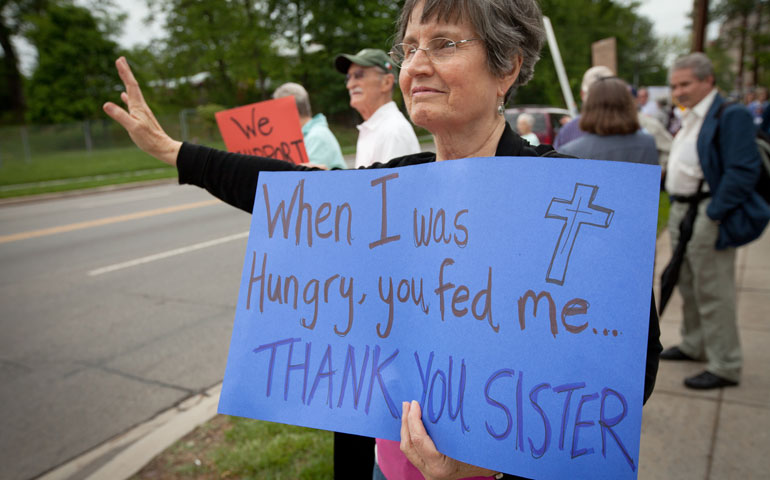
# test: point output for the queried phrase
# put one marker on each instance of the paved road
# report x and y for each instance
(113, 307)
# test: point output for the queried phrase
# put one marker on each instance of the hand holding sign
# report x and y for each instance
(421, 451)
(139, 121)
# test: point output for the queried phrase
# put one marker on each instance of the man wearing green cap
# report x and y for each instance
(385, 133)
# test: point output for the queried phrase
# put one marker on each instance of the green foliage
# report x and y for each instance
(13, 22)
(577, 24)
(724, 65)
(250, 48)
(208, 112)
(231, 40)
(246, 48)
(341, 26)
(75, 73)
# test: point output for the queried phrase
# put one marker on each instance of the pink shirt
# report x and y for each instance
(395, 465)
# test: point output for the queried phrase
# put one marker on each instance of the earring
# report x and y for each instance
(500, 109)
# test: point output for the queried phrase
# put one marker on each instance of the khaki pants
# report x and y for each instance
(707, 286)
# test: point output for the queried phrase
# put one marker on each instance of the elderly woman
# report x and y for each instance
(459, 61)
(611, 121)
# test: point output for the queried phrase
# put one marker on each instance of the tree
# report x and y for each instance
(13, 22)
(639, 59)
(230, 40)
(248, 47)
(745, 25)
(329, 28)
(75, 72)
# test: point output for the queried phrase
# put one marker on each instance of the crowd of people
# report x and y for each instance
(710, 166)
(457, 63)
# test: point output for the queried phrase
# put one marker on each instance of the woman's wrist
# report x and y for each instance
(169, 152)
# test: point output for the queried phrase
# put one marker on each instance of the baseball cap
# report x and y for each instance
(368, 57)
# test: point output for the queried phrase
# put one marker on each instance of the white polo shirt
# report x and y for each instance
(684, 172)
(385, 135)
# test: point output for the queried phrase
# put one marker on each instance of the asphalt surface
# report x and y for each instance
(113, 307)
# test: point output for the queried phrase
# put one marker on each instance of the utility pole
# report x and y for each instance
(700, 10)
(559, 64)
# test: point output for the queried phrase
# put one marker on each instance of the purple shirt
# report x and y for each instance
(570, 131)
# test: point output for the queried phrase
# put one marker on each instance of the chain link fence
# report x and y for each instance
(27, 142)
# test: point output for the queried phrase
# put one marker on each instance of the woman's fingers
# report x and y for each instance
(138, 119)
(407, 447)
(419, 436)
(419, 448)
(406, 439)
(134, 93)
(416, 444)
(119, 115)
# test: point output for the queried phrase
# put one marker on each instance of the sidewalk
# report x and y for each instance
(686, 434)
(722, 434)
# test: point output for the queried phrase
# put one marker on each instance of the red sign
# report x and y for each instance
(265, 129)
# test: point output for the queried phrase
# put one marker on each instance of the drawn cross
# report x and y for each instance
(575, 213)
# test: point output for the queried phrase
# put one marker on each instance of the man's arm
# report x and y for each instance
(740, 161)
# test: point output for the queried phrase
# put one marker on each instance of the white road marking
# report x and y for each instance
(167, 254)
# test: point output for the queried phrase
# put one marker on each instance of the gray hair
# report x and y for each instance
(526, 118)
(300, 96)
(593, 75)
(507, 27)
(698, 62)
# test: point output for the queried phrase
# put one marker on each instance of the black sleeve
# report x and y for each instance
(654, 348)
(231, 177)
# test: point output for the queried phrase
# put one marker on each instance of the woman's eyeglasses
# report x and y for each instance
(438, 50)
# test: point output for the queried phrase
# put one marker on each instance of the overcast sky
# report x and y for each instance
(670, 17)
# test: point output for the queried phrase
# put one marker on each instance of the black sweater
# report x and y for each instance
(232, 177)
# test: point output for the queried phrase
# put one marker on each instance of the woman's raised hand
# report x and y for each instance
(139, 121)
(419, 448)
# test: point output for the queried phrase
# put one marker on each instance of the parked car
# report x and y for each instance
(547, 120)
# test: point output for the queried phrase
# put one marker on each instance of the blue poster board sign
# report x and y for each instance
(509, 296)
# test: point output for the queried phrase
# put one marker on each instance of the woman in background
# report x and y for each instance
(611, 121)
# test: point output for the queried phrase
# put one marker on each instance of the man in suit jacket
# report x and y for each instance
(714, 161)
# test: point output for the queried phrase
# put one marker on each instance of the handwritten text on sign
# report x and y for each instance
(266, 129)
(509, 296)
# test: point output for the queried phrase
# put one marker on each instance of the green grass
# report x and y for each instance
(77, 170)
(75, 164)
(663, 207)
(242, 448)
(255, 449)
